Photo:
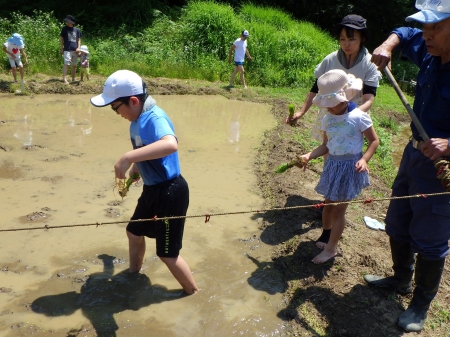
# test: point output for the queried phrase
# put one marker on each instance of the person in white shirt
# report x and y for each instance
(240, 50)
(13, 47)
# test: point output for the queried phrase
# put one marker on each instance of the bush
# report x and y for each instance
(285, 51)
(41, 37)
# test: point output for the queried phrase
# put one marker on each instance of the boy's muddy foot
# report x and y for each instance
(324, 256)
(65, 82)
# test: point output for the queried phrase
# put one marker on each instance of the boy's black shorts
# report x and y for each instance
(170, 198)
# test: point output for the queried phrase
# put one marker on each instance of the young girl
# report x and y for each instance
(345, 171)
(84, 61)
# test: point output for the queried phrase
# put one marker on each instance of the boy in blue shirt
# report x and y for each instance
(155, 158)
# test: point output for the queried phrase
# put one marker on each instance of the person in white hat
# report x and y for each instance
(346, 170)
(352, 57)
(13, 47)
(240, 50)
(84, 61)
(420, 226)
(155, 158)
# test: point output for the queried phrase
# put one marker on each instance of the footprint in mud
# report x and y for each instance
(36, 216)
(115, 203)
(52, 180)
(112, 212)
(57, 159)
(33, 147)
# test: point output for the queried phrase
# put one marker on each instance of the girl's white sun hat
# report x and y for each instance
(336, 86)
(84, 49)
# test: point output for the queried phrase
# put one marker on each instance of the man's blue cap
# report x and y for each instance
(431, 11)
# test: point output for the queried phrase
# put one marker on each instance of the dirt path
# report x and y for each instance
(320, 300)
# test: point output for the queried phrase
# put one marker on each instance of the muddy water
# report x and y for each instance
(56, 168)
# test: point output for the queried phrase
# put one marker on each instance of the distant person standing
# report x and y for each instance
(240, 50)
(13, 47)
(69, 41)
(84, 62)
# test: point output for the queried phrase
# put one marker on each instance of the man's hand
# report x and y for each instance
(381, 56)
(435, 148)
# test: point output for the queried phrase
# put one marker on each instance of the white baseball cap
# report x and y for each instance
(122, 83)
(431, 11)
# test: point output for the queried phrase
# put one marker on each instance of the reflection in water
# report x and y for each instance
(79, 121)
(233, 132)
(23, 132)
(105, 294)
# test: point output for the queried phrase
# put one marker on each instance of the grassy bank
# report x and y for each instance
(196, 45)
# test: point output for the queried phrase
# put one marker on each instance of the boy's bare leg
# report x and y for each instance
(21, 73)
(65, 67)
(330, 250)
(81, 77)
(14, 73)
(243, 78)
(181, 271)
(236, 69)
(74, 71)
(136, 251)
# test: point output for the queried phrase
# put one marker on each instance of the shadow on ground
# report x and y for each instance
(105, 294)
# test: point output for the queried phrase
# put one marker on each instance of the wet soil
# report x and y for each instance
(330, 299)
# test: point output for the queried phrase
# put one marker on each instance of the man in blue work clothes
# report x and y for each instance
(421, 225)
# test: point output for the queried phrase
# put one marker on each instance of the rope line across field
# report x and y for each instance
(207, 216)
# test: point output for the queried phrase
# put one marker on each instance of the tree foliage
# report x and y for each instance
(102, 16)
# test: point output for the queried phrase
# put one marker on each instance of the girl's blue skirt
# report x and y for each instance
(340, 181)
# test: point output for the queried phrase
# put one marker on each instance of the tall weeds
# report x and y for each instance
(285, 51)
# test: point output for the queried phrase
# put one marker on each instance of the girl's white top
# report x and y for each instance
(345, 132)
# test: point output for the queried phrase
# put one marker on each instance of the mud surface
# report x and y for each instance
(318, 300)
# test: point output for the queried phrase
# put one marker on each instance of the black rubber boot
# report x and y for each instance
(403, 258)
(427, 278)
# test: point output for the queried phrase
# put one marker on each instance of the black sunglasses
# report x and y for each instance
(117, 107)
